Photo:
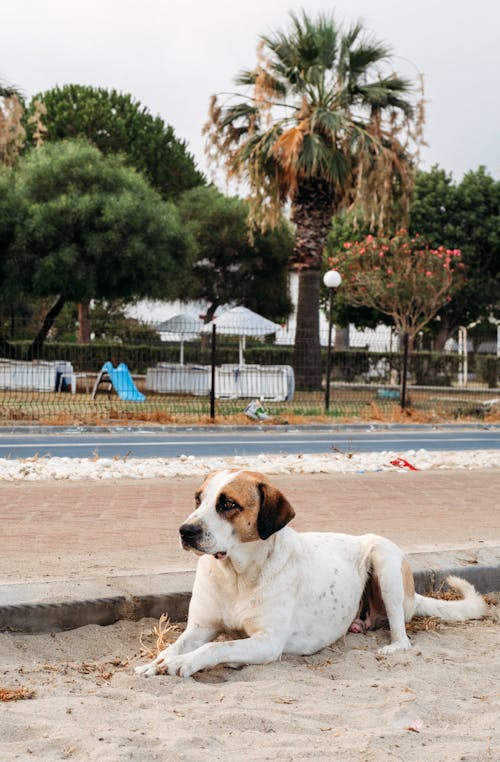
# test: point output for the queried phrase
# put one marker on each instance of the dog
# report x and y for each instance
(281, 591)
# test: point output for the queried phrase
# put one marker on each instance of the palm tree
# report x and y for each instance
(322, 127)
(12, 132)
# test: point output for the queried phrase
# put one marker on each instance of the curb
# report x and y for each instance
(162, 429)
(173, 593)
(54, 617)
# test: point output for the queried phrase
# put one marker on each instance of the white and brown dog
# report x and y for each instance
(287, 592)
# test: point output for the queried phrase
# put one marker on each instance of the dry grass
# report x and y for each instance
(16, 694)
(160, 636)
(347, 405)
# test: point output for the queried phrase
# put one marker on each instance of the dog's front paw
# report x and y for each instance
(148, 669)
(182, 666)
(154, 667)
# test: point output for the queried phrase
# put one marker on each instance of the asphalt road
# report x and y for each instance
(241, 442)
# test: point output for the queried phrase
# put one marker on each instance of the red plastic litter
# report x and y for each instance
(402, 463)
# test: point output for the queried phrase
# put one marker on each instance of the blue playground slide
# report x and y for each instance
(123, 383)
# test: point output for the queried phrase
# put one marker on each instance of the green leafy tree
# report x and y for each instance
(116, 123)
(94, 228)
(399, 276)
(230, 267)
(322, 126)
(10, 212)
(465, 216)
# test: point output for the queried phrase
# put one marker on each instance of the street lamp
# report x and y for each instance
(332, 280)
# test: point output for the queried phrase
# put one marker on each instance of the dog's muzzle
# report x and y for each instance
(191, 535)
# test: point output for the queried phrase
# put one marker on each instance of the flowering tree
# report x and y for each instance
(400, 276)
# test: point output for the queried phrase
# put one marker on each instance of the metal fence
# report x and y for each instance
(201, 378)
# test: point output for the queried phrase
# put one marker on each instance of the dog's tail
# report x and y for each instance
(471, 606)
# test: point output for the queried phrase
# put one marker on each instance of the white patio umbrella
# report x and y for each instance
(242, 322)
(179, 326)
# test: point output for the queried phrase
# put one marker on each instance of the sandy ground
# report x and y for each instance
(344, 703)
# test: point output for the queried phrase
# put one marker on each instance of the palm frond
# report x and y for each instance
(245, 77)
(386, 94)
(338, 117)
(330, 121)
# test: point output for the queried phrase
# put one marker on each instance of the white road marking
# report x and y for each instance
(189, 442)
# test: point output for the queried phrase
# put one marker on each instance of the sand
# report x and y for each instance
(440, 701)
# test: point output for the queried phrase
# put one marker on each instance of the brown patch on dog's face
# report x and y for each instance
(255, 508)
(239, 503)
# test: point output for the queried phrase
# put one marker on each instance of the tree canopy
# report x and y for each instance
(320, 121)
(94, 228)
(400, 276)
(230, 267)
(464, 215)
(116, 123)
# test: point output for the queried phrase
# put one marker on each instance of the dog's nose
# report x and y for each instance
(189, 532)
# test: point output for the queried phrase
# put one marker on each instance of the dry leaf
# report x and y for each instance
(16, 694)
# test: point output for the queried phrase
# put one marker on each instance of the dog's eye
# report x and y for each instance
(228, 505)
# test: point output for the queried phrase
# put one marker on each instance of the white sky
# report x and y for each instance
(172, 55)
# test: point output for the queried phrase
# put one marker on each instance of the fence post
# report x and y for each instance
(212, 384)
(405, 371)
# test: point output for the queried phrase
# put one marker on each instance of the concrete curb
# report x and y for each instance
(66, 605)
(163, 429)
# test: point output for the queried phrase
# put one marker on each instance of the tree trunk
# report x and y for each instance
(312, 211)
(307, 353)
(442, 335)
(35, 349)
(83, 336)
(341, 337)
(206, 338)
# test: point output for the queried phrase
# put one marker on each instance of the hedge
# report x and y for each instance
(348, 365)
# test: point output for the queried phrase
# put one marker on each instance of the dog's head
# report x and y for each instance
(234, 507)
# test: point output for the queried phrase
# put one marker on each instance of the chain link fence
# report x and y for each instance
(228, 378)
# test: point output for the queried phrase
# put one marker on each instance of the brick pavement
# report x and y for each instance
(72, 530)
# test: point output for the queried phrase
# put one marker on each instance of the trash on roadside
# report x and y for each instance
(256, 411)
(415, 726)
(402, 463)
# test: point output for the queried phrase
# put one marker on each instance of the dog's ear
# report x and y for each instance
(275, 511)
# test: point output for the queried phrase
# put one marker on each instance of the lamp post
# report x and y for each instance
(332, 280)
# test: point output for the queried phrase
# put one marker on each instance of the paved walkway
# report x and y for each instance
(74, 530)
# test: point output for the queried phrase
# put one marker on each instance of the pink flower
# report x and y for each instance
(428, 273)
(347, 245)
(381, 253)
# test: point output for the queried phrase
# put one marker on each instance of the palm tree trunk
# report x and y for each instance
(307, 352)
(312, 211)
(83, 336)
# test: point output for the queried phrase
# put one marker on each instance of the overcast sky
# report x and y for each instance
(172, 55)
